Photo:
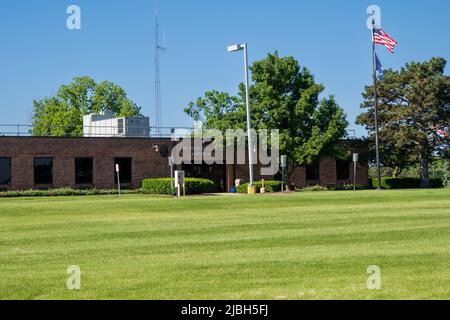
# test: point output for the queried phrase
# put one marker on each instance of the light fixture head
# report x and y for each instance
(235, 47)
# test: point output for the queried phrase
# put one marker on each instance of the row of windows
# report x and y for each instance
(84, 170)
(342, 171)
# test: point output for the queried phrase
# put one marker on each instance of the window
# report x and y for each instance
(343, 169)
(124, 169)
(5, 170)
(84, 170)
(312, 173)
(164, 151)
(43, 170)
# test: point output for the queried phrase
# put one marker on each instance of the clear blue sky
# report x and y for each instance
(38, 53)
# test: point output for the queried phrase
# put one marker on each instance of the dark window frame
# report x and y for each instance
(125, 173)
(343, 169)
(87, 177)
(9, 180)
(313, 172)
(40, 180)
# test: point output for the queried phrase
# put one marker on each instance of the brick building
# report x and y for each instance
(42, 163)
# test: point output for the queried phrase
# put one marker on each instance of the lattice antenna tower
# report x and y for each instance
(158, 49)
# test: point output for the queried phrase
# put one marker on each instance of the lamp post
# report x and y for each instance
(235, 48)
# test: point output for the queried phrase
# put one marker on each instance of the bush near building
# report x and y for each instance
(275, 186)
(62, 192)
(271, 186)
(162, 186)
(339, 187)
(405, 183)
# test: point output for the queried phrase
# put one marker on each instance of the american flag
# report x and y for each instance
(442, 133)
(381, 37)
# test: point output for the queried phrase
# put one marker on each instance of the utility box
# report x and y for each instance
(180, 182)
(179, 178)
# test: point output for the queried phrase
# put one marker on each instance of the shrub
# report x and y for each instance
(347, 187)
(61, 192)
(436, 183)
(162, 186)
(404, 183)
(271, 186)
(315, 188)
(156, 186)
(199, 186)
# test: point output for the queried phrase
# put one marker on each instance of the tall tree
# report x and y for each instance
(284, 96)
(62, 115)
(413, 103)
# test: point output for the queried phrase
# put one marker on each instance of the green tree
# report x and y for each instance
(284, 96)
(413, 102)
(441, 170)
(62, 115)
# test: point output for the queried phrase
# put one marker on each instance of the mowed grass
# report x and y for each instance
(299, 246)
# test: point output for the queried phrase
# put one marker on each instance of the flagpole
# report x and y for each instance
(377, 132)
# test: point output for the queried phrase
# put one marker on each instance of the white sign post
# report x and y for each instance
(283, 164)
(118, 178)
(355, 165)
(171, 165)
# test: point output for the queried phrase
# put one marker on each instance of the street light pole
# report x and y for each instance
(244, 47)
(249, 124)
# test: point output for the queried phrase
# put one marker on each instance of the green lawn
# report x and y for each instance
(301, 246)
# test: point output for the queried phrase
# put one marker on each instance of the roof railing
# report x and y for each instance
(126, 131)
(26, 130)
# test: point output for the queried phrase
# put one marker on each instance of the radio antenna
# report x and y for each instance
(158, 48)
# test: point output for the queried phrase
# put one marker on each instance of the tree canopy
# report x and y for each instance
(413, 104)
(62, 114)
(284, 96)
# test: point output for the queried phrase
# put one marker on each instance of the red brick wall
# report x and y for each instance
(362, 174)
(298, 177)
(146, 162)
(328, 174)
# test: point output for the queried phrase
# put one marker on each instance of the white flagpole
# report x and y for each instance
(377, 132)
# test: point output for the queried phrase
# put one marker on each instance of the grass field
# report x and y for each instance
(301, 246)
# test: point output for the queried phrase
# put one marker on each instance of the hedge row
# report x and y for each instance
(271, 186)
(67, 192)
(162, 186)
(340, 187)
(405, 183)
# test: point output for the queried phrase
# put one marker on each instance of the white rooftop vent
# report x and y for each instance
(106, 124)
